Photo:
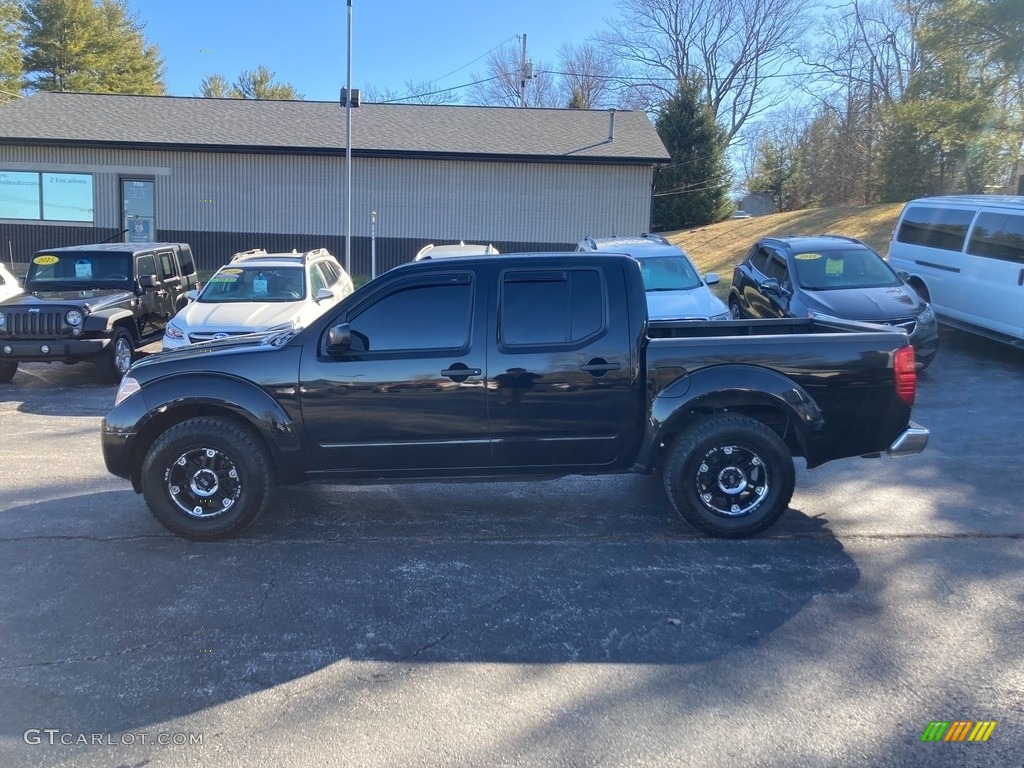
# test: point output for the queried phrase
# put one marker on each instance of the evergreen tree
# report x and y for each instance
(87, 46)
(692, 190)
(251, 84)
(10, 50)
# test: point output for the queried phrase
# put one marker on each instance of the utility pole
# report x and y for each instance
(522, 76)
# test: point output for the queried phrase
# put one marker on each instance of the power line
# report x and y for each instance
(442, 90)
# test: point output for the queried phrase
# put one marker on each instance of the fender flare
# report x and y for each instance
(727, 387)
(177, 397)
(105, 320)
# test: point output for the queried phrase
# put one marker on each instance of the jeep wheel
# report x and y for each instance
(7, 371)
(115, 361)
(207, 478)
(729, 476)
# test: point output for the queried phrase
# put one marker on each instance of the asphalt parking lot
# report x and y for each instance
(574, 622)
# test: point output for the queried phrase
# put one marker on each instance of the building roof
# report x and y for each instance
(318, 127)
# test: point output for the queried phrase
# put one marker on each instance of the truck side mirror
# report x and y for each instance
(339, 339)
(147, 281)
(323, 293)
(712, 278)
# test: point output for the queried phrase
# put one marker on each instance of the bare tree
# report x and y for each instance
(586, 76)
(737, 48)
(500, 85)
(423, 92)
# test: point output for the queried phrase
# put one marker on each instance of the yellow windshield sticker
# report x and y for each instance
(807, 256)
(834, 267)
(231, 271)
(45, 260)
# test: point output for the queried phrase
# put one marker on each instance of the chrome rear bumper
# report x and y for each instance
(913, 440)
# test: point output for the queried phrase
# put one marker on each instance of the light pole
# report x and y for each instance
(348, 150)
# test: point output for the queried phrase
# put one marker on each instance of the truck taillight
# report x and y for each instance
(906, 374)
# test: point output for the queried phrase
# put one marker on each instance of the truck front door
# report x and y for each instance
(410, 393)
(560, 371)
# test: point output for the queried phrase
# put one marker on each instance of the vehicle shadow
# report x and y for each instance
(115, 625)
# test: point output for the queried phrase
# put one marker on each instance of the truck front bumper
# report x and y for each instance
(913, 440)
(50, 350)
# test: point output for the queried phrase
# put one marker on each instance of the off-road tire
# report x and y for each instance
(729, 476)
(215, 467)
(7, 371)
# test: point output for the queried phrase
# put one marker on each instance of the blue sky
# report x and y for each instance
(303, 42)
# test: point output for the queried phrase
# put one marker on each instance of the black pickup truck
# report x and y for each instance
(96, 302)
(526, 366)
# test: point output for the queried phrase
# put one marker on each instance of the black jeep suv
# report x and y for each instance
(94, 302)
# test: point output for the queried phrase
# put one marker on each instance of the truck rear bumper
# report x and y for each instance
(913, 440)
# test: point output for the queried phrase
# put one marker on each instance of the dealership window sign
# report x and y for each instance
(30, 196)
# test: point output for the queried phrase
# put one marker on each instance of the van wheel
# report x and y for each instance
(207, 478)
(920, 289)
(7, 371)
(729, 476)
(115, 361)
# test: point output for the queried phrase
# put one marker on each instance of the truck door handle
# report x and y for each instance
(598, 367)
(1020, 278)
(161, 294)
(459, 372)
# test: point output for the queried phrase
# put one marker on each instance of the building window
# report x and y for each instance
(31, 196)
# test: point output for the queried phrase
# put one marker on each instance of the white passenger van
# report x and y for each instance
(965, 256)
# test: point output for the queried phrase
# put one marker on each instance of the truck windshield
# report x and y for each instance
(232, 284)
(668, 273)
(843, 268)
(85, 268)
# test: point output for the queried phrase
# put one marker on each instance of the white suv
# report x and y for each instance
(675, 291)
(259, 291)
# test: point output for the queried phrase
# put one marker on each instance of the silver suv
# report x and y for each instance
(675, 291)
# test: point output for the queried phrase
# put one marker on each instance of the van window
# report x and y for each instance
(998, 236)
(944, 228)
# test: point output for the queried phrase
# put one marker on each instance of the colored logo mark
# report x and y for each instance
(958, 730)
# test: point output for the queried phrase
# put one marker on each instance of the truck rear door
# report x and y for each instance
(559, 370)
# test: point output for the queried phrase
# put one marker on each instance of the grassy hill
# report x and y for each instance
(718, 247)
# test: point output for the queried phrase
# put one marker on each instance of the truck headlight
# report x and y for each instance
(3, 320)
(128, 387)
(723, 316)
(73, 317)
(174, 331)
(928, 316)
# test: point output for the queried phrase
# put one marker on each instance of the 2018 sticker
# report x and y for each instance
(44, 261)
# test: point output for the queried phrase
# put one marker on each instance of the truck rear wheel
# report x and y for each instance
(7, 371)
(207, 478)
(729, 476)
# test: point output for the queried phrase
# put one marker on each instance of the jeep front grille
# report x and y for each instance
(35, 325)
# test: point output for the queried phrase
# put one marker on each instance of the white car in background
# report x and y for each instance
(9, 285)
(260, 291)
(432, 251)
(675, 291)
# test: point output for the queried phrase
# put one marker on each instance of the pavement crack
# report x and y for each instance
(457, 627)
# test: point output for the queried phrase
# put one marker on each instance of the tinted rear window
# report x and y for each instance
(944, 228)
(998, 236)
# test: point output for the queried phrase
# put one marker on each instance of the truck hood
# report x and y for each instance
(209, 350)
(93, 301)
(237, 316)
(868, 304)
(694, 304)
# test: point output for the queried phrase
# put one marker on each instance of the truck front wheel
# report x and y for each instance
(729, 475)
(207, 478)
(7, 371)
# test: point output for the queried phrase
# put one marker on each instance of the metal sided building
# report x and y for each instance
(226, 175)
